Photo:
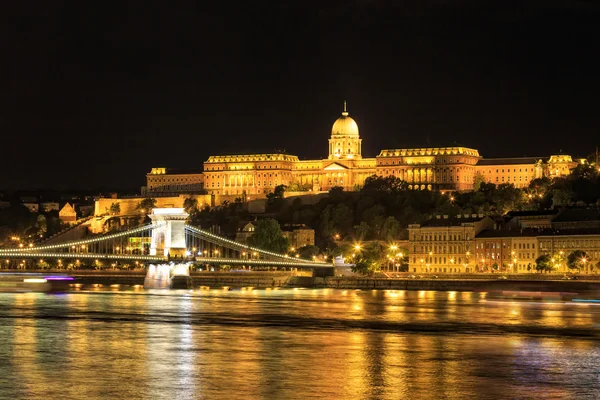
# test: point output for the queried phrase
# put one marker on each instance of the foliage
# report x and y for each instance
(384, 184)
(115, 208)
(478, 179)
(299, 187)
(542, 263)
(146, 205)
(577, 259)
(41, 225)
(362, 230)
(390, 229)
(369, 259)
(190, 205)
(275, 198)
(307, 252)
(268, 236)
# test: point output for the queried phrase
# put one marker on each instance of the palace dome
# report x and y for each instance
(344, 125)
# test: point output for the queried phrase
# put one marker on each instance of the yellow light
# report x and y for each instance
(357, 247)
(34, 280)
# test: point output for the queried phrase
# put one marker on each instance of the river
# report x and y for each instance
(296, 344)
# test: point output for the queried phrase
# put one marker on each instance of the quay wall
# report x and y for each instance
(264, 279)
(472, 285)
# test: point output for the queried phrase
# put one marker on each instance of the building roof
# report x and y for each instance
(533, 213)
(578, 214)
(499, 233)
(242, 224)
(344, 125)
(451, 221)
(67, 210)
(294, 227)
(174, 171)
(570, 232)
(251, 157)
(510, 161)
(429, 151)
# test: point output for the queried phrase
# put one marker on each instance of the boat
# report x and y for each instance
(23, 282)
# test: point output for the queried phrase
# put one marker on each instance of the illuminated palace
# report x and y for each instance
(443, 168)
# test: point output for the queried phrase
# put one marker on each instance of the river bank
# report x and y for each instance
(286, 279)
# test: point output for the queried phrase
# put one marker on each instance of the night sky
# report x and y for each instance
(95, 96)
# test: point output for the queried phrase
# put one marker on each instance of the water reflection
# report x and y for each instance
(295, 344)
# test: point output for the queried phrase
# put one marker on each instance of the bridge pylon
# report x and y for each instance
(168, 234)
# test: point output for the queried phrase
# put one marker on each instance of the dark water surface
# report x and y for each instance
(296, 344)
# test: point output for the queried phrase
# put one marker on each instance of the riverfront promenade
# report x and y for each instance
(401, 281)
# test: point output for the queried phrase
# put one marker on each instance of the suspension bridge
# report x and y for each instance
(166, 238)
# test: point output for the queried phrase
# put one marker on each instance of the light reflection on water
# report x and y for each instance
(295, 344)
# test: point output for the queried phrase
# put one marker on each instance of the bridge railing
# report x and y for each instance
(211, 237)
(80, 242)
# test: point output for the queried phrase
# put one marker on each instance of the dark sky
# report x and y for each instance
(95, 96)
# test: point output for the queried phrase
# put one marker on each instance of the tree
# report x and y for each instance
(342, 217)
(307, 252)
(390, 229)
(115, 208)
(384, 184)
(577, 259)
(275, 198)
(41, 225)
(369, 259)
(268, 236)
(374, 216)
(146, 205)
(561, 197)
(190, 205)
(478, 179)
(363, 267)
(299, 187)
(362, 230)
(542, 263)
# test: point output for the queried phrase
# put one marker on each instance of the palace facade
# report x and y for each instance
(443, 168)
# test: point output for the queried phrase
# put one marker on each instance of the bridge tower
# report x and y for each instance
(168, 235)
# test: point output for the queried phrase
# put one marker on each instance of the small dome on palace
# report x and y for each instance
(345, 125)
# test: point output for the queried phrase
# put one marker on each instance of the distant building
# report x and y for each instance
(33, 207)
(432, 168)
(299, 235)
(445, 244)
(245, 230)
(170, 181)
(479, 244)
(67, 214)
(531, 219)
(47, 206)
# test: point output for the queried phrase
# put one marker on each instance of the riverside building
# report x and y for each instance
(474, 243)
